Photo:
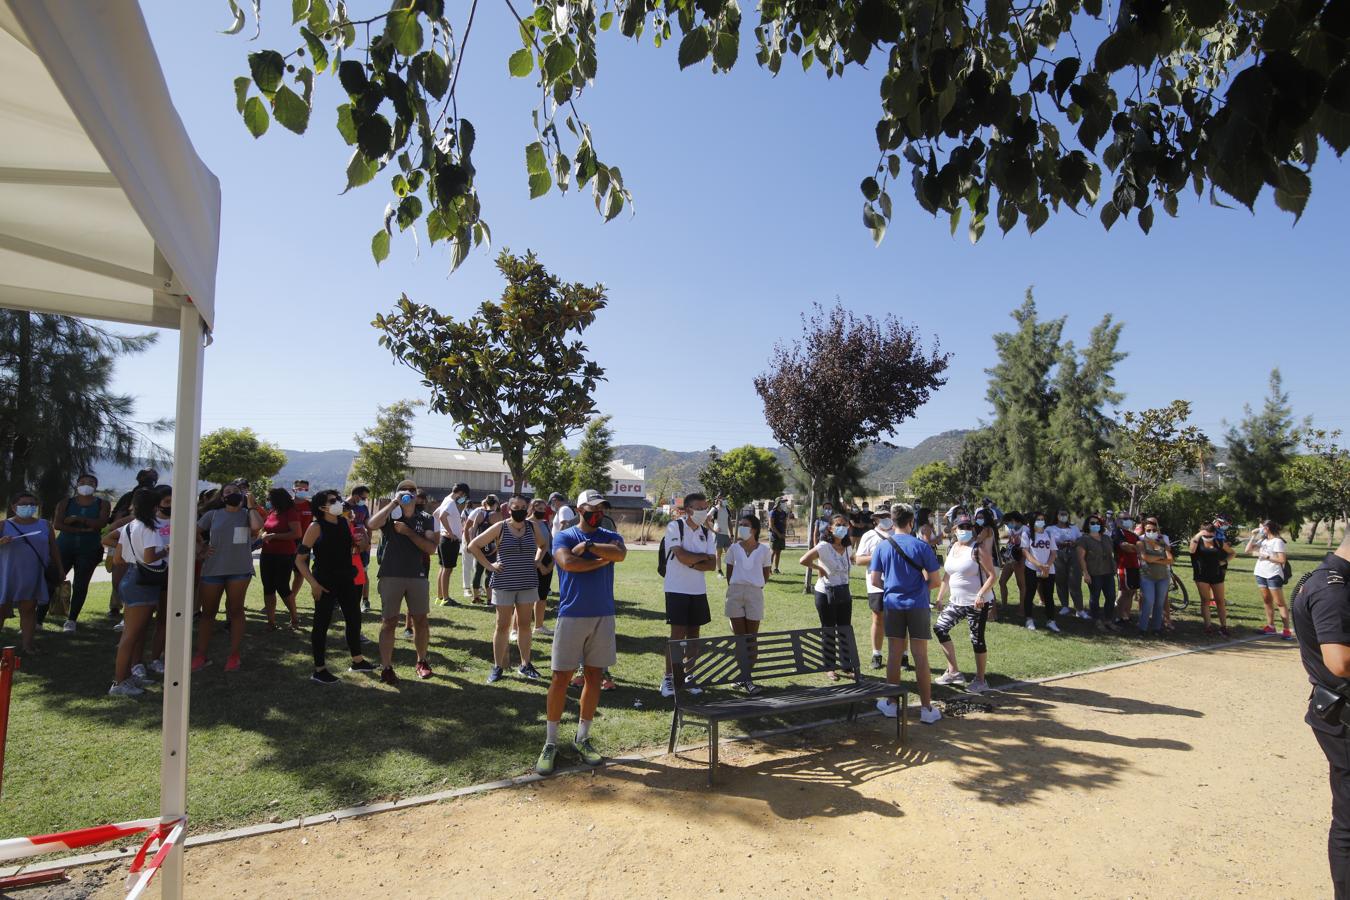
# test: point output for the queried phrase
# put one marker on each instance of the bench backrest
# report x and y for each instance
(779, 654)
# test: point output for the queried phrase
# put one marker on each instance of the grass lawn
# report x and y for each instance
(266, 742)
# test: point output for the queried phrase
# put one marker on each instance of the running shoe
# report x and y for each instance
(442, 601)
(877, 661)
(978, 686)
(513, 636)
(408, 633)
(157, 666)
(423, 669)
(1052, 626)
(607, 682)
(1287, 635)
(527, 670)
(929, 714)
(1084, 614)
(578, 682)
(544, 631)
(951, 678)
(365, 606)
(750, 687)
(126, 688)
(69, 627)
(120, 625)
(888, 708)
(388, 675)
(1031, 624)
(364, 665)
(323, 676)
(1269, 629)
(494, 675)
(692, 686)
(1064, 611)
(586, 750)
(199, 662)
(668, 686)
(548, 760)
(138, 671)
(232, 663)
(904, 662)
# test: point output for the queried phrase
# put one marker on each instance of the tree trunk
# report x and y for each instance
(18, 463)
(810, 523)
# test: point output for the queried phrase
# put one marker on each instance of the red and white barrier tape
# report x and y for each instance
(18, 848)
(141, 873)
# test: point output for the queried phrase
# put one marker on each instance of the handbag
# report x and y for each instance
(147, 576)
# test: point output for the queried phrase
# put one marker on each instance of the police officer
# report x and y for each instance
(1322, 623)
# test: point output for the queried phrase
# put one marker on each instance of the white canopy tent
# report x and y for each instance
(106, 212)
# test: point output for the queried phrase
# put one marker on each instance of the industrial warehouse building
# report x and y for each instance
(438, 469)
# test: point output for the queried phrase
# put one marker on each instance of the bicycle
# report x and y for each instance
(1178, 598)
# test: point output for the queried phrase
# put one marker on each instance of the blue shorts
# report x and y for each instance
(134, 594)
(1273, 582)
(225, 579)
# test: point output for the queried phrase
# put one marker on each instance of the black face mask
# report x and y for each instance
(541, 515)
(593, 519)
(233, 499)
(518, 515)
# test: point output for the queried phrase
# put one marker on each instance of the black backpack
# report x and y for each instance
(662, 555)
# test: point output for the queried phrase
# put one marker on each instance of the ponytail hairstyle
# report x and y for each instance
(144, 505)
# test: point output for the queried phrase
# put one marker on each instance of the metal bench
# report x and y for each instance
(726, 661)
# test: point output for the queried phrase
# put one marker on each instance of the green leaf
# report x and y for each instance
(435, 74)
(318, 51)
(559, 59)
(291, 112)
(299, 9)
(535, 160)
(345, 126)
(606, 20)
(404, 31)
(266, 67)
(1146, 218)
(1204, 13)
(467, 137)
(319, 16)
(379, 246)
(441, 224)
(409, 211)
(1109, 214)
(255, 117)
(1292, 189)
(615, 205)
(694, 48)
(241, 85)
(360, 170)
(726, 50)
(306, 78)
(540, 183)
(521, 62)
(870, 189)
(374, 136)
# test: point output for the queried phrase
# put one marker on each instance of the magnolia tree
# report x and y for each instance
(1151, 447)
(992, 109)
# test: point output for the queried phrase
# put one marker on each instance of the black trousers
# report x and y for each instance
(347, 596)
(1337, 750)
(480, 570)
(836, 609)
(1044, 585)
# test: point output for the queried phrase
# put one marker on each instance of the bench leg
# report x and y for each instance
(712, 751)
(674, 730)
(852, 711)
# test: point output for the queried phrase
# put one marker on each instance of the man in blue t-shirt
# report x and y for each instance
(585, 555)
(905, 569)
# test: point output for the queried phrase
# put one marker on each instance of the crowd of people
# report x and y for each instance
(509, 553)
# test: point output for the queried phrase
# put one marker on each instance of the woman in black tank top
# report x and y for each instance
(332, 579)
(1209, 565)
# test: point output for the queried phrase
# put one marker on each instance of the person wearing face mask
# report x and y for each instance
(1268, 546)
(27, 549)
(691, 552)
(778, 523)
(329, 552)
(585, 555)
(968, 578)
(986, 537)
(227, 532)
(749, 564)
(515, 583)
(907, 570)
(358, 506)
(1097, 562)
(820, 529)
(1127, 563)
(882, 525)
(1209, 566)
(281, 536)
(450, 519)
(1068, 573)
(1155, 573)
(300, 491)
(144, 544)
(539, 516)
(479, 520)
(831, 557)
(121, 516)
(79, 519)
(1039, 559)
(408, 537)
(1011, 558)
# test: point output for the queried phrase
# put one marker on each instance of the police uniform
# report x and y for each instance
(1322, 616)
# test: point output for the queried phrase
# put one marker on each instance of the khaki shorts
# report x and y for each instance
(393, 589)
(745, 601)
(586, 639)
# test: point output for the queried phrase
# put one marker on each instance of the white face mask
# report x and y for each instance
(841, 531)
(335, 508)
(700, 516)
(361, 503)
(1040, 524)
(1127, 523)
(885, 525)
(1151, 535)
(743, 532)
(965, 537)
(302, 495)
(85, 490)
(26, 511)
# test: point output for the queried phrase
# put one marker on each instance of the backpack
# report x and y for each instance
(662, 555)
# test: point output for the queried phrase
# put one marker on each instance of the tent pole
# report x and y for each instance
(182, 568)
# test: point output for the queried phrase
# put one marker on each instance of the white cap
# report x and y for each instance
(591, 498)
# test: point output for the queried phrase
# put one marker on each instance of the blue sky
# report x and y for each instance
(748, 210)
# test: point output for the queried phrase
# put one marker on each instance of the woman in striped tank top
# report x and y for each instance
(521, 548)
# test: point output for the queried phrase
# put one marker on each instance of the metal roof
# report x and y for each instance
(457, 458)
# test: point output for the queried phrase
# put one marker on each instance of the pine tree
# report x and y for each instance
(382, 450)
(594, 455)
(1260, 449)
(1079, 427)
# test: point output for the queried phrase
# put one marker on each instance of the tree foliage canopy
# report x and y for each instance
(590, 468)
(382, 450)
(1260, 449)
(935, 483)
(1321, 476)
(515, 375)
(1014, 110)
(1150, 447)
(742, 475)
(230, 453)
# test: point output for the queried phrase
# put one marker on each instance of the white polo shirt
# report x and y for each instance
(680, 579)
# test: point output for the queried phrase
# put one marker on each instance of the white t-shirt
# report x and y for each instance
(1065, 535)
(723, 524)
(451, 510)
(564, 518)
(836, 563)
(963, 575)
(136, 538)
(748, 569)
(1265, 566)
(1040, 549)
(867, 546)
(680, 579)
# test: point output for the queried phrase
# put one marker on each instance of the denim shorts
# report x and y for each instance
(1273, 582)
(132, 593)
(225, 579)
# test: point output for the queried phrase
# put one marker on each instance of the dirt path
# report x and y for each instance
(1188, 777)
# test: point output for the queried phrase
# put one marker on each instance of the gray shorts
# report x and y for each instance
(585, 639)
(916, 624)
(511, 598)
(723, 541)
(393, 589)
(876, 602)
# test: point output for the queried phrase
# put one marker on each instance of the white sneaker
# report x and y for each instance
(365, 606)
(978, 686)
(1031, 624)
(513, 636)
(1064, 610)
(667, 687)
(138, 671)
(1053, 627)
(929, 714)
(126, 688)
(120, 625)
(1084, 615)
(888, 708)
(691, 685)
(408, 633)
(951, 678)
(69, 627)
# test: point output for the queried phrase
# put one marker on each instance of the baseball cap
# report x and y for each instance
(964, 519)
(555, 496)
(591, 498)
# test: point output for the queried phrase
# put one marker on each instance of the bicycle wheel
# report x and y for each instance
(1178, 598)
